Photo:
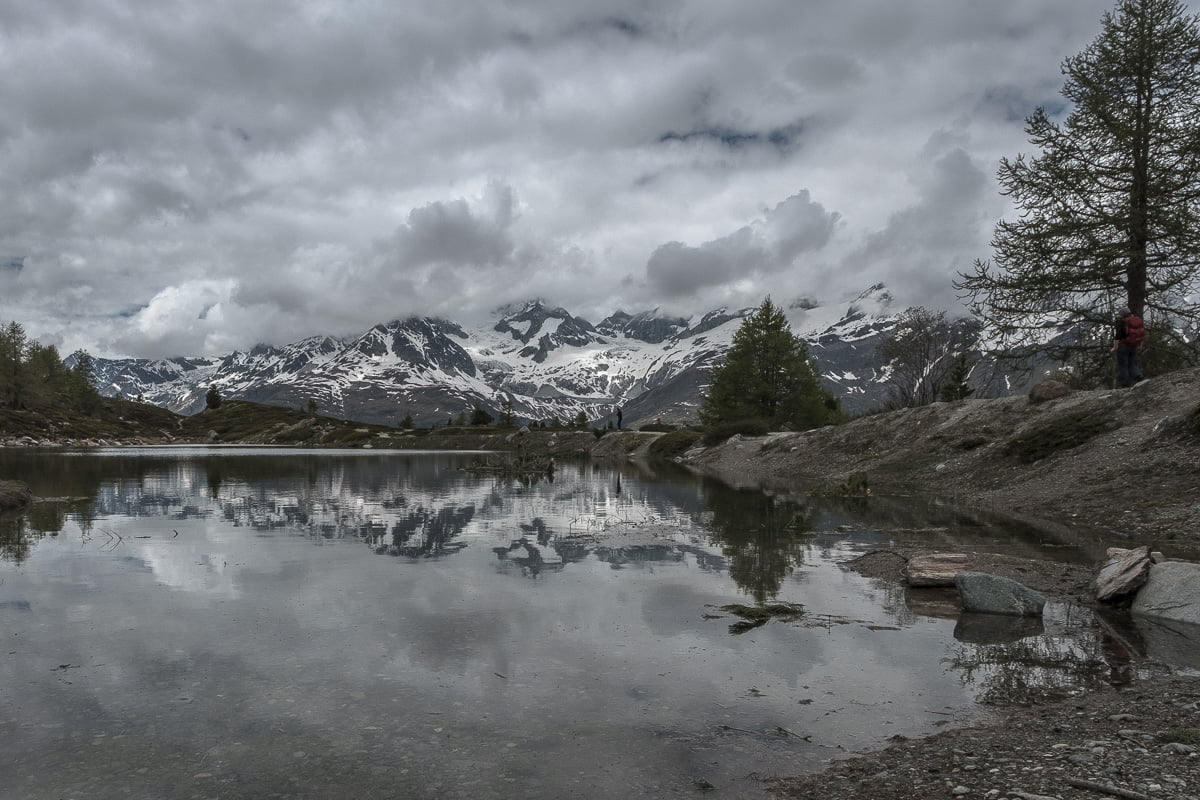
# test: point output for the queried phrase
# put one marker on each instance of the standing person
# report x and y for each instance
(619, 416)
(1127, 341)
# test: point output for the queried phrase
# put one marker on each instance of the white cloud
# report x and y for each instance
(290, 169)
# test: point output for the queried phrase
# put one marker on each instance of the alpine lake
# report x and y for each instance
(260, 623)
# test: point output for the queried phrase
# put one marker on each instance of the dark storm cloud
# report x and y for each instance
(770, 245)
(452, 233)
(243, 172)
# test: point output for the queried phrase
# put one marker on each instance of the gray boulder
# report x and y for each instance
(1169, 641)
(1171, 592)
(1048, 389)
(991, 594)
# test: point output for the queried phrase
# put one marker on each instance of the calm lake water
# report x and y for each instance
(239, 622)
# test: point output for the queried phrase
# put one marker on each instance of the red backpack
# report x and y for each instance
(1135, 331)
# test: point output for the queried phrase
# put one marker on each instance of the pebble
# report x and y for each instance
(959, 791)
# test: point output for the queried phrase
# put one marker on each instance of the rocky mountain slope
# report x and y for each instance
(544, 361)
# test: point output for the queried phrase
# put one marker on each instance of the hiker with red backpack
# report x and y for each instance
(1130, 333)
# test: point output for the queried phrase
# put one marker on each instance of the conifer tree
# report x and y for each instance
(1108, 207)
(767, 375)
(12, 365)
(508, 415)
(956, 386)
(83, 382)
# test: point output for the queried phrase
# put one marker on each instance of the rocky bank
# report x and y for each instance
(1125, 463)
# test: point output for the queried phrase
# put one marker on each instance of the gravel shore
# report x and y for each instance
(1124, 463)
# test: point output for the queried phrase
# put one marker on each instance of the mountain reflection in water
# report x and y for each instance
(221, 622)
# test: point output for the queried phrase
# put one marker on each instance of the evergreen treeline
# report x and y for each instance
(34, 376)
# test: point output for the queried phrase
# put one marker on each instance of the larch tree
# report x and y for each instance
(1109, 210)
(922, 352)
(767, 375)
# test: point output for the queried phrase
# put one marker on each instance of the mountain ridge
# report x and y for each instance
(541, 359)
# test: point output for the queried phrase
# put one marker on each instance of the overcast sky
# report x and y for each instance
(187, 178)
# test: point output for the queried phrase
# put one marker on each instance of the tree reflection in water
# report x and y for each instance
(425, 533)
(763, 537)
(1037, 669)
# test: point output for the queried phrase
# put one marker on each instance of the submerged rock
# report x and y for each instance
(991, 594)
(977, 628)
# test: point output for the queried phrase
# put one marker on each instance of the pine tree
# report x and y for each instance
(12, 365)
(213, 398)
(508, 416)
(955, 386)
(767, 375)
(1108, 212)
(83, 382)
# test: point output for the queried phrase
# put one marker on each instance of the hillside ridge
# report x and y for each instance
(1127, 461)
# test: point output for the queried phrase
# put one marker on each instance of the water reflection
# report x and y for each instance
(764, 538)
(392, 617)
(1013, 662)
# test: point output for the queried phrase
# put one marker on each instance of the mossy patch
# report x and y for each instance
(673, 444)
(754, 616)
(13, 495)
(1182, 735)
(1062, 433)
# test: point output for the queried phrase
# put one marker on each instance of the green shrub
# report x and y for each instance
(746, 427)
(673, 444)
(450, 430)
(347, 437)
(1182, 735)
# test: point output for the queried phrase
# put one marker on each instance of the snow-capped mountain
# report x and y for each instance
(544, 361)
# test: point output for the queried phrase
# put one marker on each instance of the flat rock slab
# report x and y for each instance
(991, 594)
(1123, 573)
(936, 569)
(1171, 592)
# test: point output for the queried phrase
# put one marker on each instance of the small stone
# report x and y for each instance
(959, 791)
